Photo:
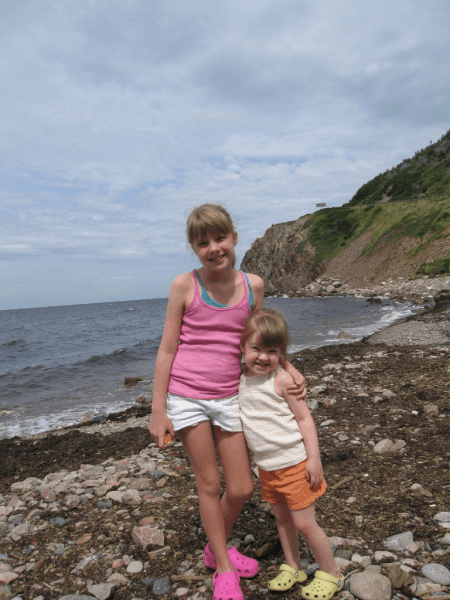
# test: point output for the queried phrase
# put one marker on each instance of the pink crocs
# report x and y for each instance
(227, 587)
(245, 566)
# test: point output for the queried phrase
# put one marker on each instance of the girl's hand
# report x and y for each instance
(298, 388)
(159, 426)
(314, 472)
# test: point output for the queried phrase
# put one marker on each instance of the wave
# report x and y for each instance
(13, 343)
(142, 351)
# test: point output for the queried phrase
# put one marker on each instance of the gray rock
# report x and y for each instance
(445, 540)
(399, 541)
(161, 585)
(102, 591)
(5, 593)
(370, 586)
(77, 597)
(142, 483)
(132, 498)
(442, 517)
(118, 579)
(383, 447)
(436, 573)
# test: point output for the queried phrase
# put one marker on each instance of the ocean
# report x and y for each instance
(60, 363)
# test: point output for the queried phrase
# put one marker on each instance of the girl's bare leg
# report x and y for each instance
(235, 461)
(316, 538)
(288, 535)
(199, 444)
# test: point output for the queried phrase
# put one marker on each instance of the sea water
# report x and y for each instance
(59, 363)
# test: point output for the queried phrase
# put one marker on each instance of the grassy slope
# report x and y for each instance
(415, 199)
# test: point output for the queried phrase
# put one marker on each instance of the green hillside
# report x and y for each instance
(426, 175)
(412, 199)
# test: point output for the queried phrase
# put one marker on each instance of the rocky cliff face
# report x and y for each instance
(283, 258)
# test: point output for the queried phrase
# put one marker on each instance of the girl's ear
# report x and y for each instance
(235, 238)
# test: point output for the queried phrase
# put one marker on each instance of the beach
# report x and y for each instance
(77, 505)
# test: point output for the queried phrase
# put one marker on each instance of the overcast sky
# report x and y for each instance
(118, 117)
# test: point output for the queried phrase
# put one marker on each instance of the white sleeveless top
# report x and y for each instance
(270, 428)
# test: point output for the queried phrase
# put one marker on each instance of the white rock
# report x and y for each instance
(342, 563)
(181, 592)
(8, 577)
(442, 517)
(383, 447)
(370, 586)
(102, 591)
(135, 566)
(118, 579)
(445, 540)
(115, 496)
(5, 568)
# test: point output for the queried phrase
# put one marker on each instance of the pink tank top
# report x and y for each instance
(206, 365)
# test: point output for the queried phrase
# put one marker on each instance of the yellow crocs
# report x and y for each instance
(286, 579)
(323, 586)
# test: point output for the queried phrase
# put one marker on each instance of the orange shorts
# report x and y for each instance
(290, 486)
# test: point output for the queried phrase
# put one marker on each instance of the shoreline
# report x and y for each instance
(423, 328)
(74, 502)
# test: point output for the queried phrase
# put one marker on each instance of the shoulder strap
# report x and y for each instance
(251, 300)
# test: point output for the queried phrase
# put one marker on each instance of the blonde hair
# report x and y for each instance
(271, 326)
(208, 217)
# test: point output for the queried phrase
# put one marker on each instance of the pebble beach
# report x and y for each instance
(97, 511)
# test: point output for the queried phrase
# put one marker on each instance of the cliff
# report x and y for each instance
(375, 237)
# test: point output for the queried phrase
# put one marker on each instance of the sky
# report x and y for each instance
(118, 117)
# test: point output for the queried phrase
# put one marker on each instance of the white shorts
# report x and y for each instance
(186, 412)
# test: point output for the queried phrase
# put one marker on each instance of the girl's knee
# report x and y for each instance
(209, 486)
(241, 493)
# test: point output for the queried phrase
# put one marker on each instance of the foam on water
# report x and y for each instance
(71, 361)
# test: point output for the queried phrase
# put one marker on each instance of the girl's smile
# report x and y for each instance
(215, 249)
(260, 360)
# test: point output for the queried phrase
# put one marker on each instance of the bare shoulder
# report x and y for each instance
(182, 288)
(256, 281)
(183, 281)
(258, 289)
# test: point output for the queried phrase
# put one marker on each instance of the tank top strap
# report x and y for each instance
(207, 298)
(251, 300)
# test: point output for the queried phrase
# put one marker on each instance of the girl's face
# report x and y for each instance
(215, 250)
(258, 359)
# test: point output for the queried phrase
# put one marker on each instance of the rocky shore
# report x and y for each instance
(98, 511)
(419, 290)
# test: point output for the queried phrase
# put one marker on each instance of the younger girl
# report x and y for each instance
(281, 434)
(197, 368)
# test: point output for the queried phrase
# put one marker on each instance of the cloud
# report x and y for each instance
(119, 117)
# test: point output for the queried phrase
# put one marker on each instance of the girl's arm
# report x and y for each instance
(300, 410)
(159, 422)
(298, 386)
